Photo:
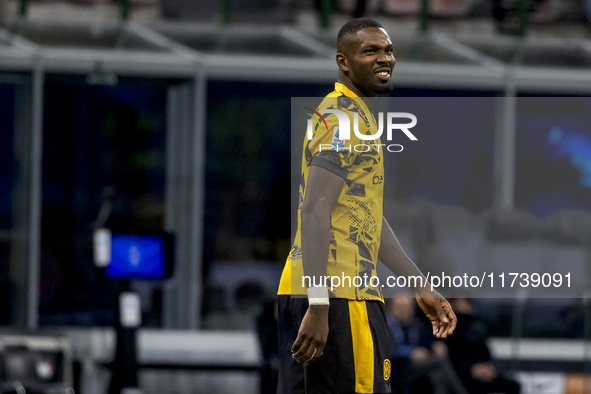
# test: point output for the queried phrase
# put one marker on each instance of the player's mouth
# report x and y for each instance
(384, 74)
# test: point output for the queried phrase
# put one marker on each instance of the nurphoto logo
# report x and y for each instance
(342, 133)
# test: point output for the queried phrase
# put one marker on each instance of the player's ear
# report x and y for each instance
(342, 62)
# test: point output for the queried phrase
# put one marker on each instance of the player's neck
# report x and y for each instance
(352, 87)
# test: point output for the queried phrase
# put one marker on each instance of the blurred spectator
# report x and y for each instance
(470, 355)
(3, 13)
(267, 332)
(431, 254)
(476, 195)
(359, 9)
(241, 224)
(419, 364)
(249, 298)
(506, 13)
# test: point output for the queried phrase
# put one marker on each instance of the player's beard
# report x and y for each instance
(383, 89)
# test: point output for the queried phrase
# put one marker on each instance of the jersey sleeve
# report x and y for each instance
(329, 150)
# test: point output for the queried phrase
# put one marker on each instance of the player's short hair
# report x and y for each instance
(350, 29)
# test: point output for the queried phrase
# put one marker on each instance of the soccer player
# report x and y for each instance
(337, 342)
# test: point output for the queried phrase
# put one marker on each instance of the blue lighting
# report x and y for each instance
(137, 256)
(575, 146)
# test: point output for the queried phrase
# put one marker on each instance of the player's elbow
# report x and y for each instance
(315, 209)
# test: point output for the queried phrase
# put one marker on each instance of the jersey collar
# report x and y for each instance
(339, 87)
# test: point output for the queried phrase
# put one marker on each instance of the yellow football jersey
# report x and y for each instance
(356, 219)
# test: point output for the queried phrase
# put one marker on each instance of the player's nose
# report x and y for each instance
(386, 58)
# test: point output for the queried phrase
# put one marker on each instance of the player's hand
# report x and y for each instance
(438, 311)
(312, 335)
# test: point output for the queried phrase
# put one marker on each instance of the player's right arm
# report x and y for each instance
(322, 192)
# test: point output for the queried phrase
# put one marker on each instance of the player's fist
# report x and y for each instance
(312, 335)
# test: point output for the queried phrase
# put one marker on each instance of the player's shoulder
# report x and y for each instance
(331, 100)
(338, 100)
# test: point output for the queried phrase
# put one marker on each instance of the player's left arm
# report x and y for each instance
(434, 305)
(322, 193)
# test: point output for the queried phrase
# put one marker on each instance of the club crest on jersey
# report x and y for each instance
(387, 369)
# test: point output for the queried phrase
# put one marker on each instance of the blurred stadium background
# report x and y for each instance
(151, 116)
